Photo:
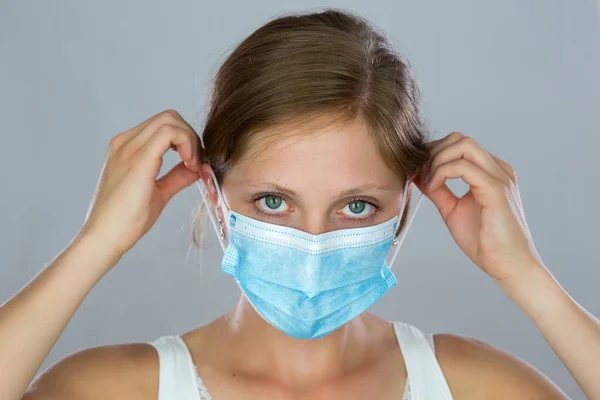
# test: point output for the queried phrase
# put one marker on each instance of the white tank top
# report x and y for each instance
(179, 380)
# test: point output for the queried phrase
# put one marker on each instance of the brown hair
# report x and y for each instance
(331, 63)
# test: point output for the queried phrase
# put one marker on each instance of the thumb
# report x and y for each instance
(177, 179)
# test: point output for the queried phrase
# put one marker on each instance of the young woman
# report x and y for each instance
(311, 145)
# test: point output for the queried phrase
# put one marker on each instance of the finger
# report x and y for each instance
(467, 148)
(506, 167)
(129, 134)
(515, 186)
(190, 154)
(168, 117)
(485, 188)
(177, 179)
(436, 145)
(165, 137)
(443, 198)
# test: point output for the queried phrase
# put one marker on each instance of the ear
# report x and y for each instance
(417, 180)
(207, 179)
(412, 179)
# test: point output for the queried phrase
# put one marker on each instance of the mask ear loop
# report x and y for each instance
(395, 248)
(212, 213)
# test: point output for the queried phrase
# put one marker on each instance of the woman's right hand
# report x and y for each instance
(129, 198)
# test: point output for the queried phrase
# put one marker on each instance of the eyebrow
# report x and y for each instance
(343, 193)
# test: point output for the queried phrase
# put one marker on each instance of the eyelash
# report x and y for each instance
(261, 195)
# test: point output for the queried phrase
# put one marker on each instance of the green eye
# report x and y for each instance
(273, 202)
(357, 206)
(269, 205)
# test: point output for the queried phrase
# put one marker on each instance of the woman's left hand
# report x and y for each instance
(488, 222)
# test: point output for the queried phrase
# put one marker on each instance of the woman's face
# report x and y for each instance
(331, 178)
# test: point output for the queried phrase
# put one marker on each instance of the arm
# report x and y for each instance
(126, 203)
(488, 224)
(571, 331)
(33, 319)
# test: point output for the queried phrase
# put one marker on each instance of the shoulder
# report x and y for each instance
(477, 370)
(124, 371)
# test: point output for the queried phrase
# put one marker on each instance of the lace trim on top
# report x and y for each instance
(406, 395)
(204, 395)
(202, 390)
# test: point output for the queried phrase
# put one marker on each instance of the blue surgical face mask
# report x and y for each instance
(308, 285)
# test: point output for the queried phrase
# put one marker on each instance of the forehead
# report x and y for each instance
(314, 150)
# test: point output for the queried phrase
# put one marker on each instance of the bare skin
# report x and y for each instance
(241, 356)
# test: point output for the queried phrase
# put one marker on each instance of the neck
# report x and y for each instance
(264, 350)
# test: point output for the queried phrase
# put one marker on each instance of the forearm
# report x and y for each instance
(572, 332)
(33, 319)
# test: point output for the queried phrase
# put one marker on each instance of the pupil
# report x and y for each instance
(273, 201)
(357, 206)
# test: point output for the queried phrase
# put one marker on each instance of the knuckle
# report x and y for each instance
(456, 135)
(508, 169)
(164, 129)
(165, 117)
(167, 129)
(116, 141)
(511, 171)
(172, 132)
(171, 115)
(469, 141)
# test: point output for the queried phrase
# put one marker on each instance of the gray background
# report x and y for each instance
(519, 76)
